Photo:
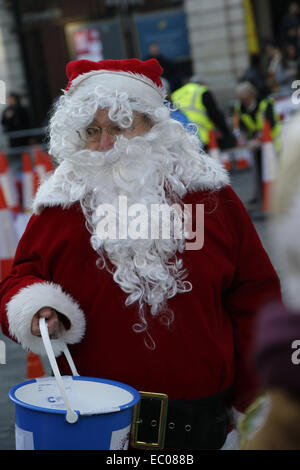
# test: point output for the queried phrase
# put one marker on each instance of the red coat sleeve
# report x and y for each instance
(255, 284)
(30, 286)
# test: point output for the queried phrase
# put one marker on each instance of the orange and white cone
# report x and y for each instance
(49, 167)
(27, 195)
(8, 237)
(39, 166)
(9, 185)
(242, 159)
(35, 366)
(226, 160)
(269, 167)
(36, 181)
(213, 147)
(27, 183)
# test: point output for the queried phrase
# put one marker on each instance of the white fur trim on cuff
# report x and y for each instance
(26, 303)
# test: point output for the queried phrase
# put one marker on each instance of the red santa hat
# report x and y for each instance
(140, 79)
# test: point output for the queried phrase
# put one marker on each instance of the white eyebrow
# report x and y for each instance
(111, 124)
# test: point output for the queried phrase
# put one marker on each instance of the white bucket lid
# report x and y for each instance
(86, 394)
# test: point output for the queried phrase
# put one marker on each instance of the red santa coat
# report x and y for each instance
(204, 350)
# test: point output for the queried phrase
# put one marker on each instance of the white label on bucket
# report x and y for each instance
(49, 392)
(24, 439)
(120, 439)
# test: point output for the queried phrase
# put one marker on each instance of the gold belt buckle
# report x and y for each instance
(136, 421)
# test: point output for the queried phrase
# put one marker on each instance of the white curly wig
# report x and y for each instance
(158, 167)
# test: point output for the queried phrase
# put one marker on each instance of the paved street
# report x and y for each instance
(14, 371)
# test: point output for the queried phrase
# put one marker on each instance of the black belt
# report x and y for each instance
(181, 424)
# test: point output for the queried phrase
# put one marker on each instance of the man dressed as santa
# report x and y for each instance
(144, 310)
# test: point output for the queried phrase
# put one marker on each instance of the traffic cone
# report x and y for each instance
(35, 366)
(213, 147)
(36, 181)
(269, 167)
(49, 167)
(27, 183)
(9, 185)
(242, 159)
(8, 238)
(39, 164)
(225, 158)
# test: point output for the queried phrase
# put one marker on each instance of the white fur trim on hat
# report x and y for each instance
(137, 86)
(28, 301)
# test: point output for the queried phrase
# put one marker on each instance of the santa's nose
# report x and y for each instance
(106, 141)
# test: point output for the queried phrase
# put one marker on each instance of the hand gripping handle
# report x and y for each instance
(71, 416)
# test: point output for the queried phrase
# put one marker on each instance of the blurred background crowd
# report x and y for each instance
(216, 43)
(231, 67)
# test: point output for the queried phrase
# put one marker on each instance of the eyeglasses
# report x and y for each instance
(94, 133)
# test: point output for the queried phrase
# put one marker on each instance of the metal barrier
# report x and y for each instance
(27, 132)
(14, 153)
(39, 131)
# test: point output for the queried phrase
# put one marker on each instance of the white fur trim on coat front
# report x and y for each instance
(28, 301)
(51, 194)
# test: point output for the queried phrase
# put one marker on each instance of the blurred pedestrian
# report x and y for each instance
(15, 117)
(287, 69)
(251, 112)
(135, 305)
(290, 24)
(170, 69)
(197, 102)
(276, 350)
(255, 75)
(273, 63)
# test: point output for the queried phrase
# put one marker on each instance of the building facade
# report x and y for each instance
(204, 37)
(218, 41)
(11, 63)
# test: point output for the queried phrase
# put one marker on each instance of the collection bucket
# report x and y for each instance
(72, 412)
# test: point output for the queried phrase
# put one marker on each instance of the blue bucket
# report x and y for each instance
(72, 412)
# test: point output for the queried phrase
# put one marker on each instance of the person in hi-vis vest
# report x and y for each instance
(197, 102)
(251, 112)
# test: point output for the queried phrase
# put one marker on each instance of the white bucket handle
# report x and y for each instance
(71, 416)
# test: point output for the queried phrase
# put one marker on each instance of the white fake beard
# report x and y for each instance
(148, 270)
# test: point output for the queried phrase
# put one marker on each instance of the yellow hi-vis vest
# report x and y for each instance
(189, 100)
(257, 125)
